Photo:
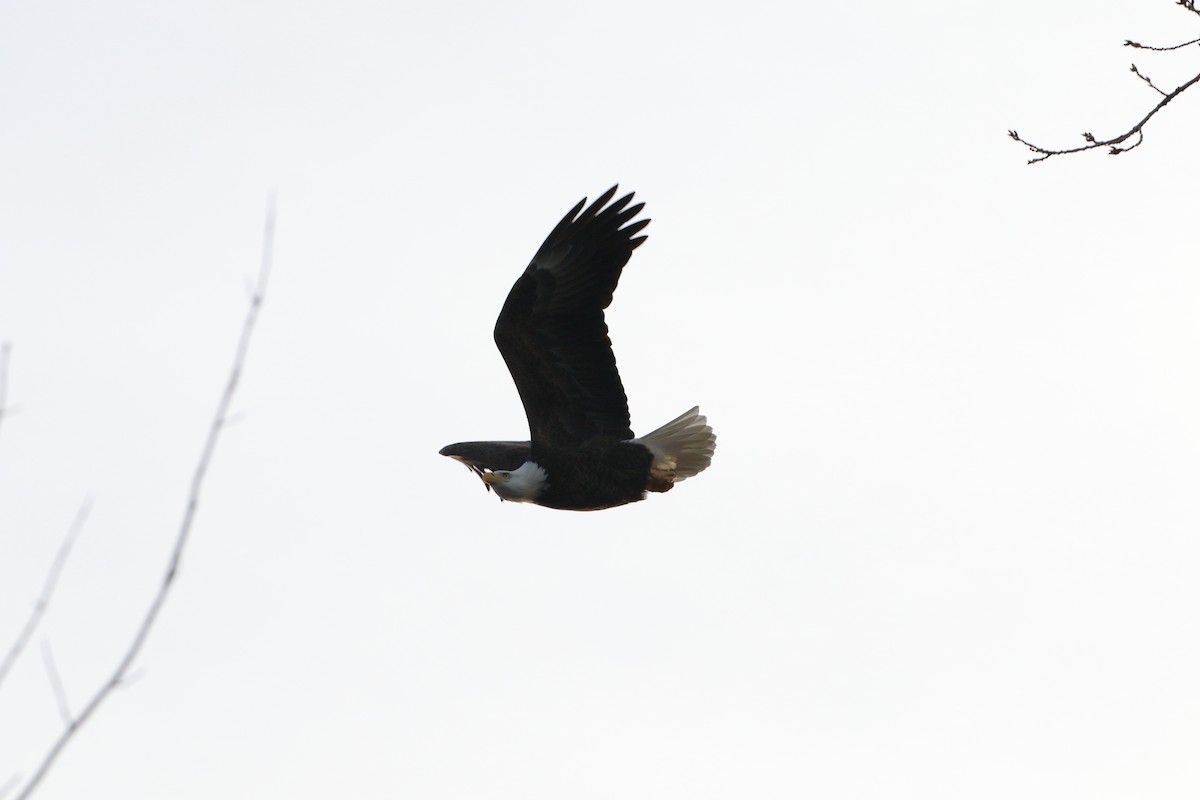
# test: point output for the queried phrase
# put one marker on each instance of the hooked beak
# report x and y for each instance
(490, 479)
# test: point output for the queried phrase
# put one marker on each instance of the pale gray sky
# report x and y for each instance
(948, 544)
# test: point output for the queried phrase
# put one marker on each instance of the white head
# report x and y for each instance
(521, 485)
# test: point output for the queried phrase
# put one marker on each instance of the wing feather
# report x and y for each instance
(551, 330)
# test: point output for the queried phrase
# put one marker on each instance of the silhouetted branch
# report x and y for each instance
(1133, 68)
(1116, 145)
(1112, 144)
(43, 601)
(185, 526)
(1140, 46)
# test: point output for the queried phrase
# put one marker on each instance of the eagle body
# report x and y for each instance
(600, 473)
(582, 454)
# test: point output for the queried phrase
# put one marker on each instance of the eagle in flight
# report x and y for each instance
(582, 455)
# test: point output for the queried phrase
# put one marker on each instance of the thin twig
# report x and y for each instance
(1133, 68)
(43, 601)
(1140, 46)
(1113, 143)
(185, 526)
(60, 692)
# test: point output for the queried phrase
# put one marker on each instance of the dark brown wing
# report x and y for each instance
(552, 333)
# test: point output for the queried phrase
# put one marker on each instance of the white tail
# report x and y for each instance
(684, 446)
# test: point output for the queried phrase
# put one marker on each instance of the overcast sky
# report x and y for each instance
(947, 547)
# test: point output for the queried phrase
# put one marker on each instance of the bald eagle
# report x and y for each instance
(582, 455)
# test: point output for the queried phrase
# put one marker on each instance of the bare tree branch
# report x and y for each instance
(43, 601)
(60, 692)
(185, 526)
(1140, 46)
(1112, 144)
(1116, 145)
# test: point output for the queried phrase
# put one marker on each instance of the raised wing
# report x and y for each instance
(551, 330)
